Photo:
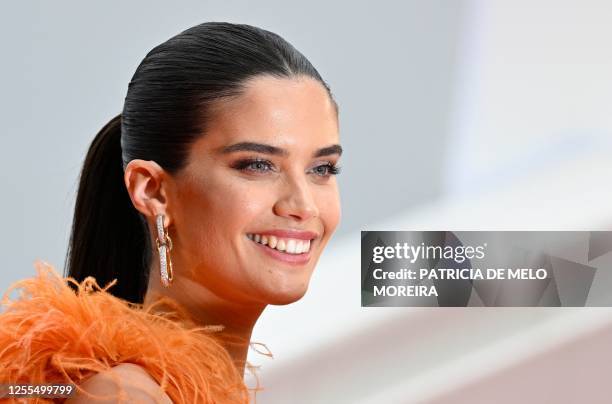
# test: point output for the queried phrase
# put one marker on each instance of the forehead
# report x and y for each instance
(285, 112)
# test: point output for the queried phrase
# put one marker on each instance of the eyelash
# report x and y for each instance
(243, 165)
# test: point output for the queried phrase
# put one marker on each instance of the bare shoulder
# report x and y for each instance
(138, 385)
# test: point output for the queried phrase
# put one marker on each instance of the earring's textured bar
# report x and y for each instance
(160, 228)
(163, 265)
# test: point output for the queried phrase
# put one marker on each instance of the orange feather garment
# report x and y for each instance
(51, 334)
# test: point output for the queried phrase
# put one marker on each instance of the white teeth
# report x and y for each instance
(290, 246)
(272, 242)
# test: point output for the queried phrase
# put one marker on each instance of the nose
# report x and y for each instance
(297, 201)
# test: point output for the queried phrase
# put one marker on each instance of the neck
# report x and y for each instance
(206, 308)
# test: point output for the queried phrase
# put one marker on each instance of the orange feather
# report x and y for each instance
(50, 334)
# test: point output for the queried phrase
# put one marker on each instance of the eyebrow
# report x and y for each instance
(277, 151)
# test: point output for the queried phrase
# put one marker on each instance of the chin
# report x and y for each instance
(279, 298)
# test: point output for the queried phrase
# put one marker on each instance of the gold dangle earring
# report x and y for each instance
(164, 245)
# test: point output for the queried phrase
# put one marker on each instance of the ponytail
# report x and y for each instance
(109, 238)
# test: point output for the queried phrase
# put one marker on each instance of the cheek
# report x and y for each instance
(213, 215)
(329, 209)
(219, 210)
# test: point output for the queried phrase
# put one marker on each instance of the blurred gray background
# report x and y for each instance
(455, 115)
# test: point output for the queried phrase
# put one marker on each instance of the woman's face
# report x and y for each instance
(263, 172)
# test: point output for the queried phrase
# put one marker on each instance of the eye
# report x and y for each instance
(254, 165)
(326, 170)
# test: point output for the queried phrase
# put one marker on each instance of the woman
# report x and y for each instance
(211, 196)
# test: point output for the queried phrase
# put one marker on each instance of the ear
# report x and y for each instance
(148, 185)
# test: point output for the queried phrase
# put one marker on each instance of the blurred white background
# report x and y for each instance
(455, 115)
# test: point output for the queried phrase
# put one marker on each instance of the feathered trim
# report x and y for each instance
(51, 334)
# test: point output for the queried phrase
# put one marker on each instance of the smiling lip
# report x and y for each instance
(294, 259)
(289, 233)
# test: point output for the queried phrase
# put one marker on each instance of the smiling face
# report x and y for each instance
(261, 177)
